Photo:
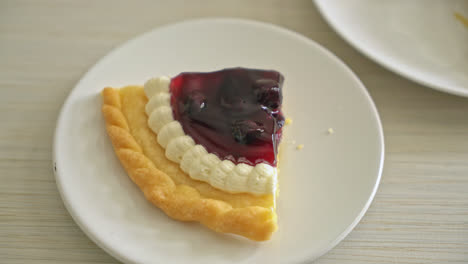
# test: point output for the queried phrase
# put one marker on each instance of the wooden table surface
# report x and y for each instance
(420, 213)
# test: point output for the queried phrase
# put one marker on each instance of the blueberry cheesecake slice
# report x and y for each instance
(203, 146)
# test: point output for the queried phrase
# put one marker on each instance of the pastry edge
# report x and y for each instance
(180, 202)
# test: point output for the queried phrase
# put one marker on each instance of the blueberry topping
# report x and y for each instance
(194, 103)
(234, 113)
(247, 131)
(268, 93)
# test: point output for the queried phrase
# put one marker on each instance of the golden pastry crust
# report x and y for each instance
(178, 196)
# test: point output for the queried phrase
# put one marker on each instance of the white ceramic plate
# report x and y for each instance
(325, 187)
(419, 39)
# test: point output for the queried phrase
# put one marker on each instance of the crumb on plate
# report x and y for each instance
(300, 146)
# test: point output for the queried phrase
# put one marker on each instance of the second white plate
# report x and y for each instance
(419, 39)
(325, 188)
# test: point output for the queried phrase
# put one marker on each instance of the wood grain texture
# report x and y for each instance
(420, 213)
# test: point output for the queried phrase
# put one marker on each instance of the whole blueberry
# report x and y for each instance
(246, 131)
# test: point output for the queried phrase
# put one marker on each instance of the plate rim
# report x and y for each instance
(214, 19)
(450, 89)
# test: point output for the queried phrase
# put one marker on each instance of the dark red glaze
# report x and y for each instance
(234, 113)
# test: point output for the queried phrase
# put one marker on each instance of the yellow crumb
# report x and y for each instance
(331, 131)
(288, 121)
(300, 146)
(461, 18)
